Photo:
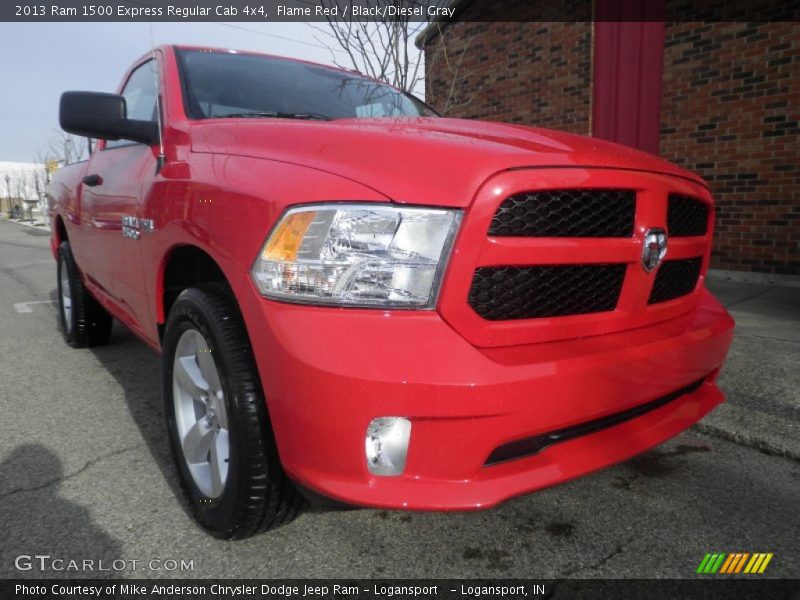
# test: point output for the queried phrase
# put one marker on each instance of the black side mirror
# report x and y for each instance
(103, 116)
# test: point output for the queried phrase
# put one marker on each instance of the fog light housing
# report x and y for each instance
(386, 445)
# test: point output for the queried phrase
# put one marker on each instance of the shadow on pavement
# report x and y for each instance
(137, 369)
(35, 521)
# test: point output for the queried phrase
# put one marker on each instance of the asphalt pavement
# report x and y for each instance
(85, 471)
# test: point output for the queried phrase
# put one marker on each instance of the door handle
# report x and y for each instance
(93, 180)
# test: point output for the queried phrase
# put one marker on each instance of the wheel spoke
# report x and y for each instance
(222, 411)
(65, 291)
(219, 462)
(190, 378)
(66, 299)
(198, 442)
(208, 368)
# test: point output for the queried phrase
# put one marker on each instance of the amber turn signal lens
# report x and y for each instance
(284, 243)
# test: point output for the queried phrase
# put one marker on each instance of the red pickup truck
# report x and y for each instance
(358, 300)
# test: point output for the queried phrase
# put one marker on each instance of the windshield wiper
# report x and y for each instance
(270, 114)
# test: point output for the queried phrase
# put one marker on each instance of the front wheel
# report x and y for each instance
(219, 430)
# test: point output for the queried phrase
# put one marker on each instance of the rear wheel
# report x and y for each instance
(83, 321)
(218, 425)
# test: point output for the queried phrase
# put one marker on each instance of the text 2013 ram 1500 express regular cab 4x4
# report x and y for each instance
(357, 299)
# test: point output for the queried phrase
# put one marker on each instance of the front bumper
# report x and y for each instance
(328, 372)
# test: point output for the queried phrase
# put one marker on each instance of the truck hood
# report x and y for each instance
(418, 160)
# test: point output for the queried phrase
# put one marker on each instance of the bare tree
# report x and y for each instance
(63, 148)
(41, 177)
(382, 48)
(456, 77)
(21, 191)
(17, 190)
(60, 149)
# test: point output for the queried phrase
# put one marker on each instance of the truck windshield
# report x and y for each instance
(226, 84)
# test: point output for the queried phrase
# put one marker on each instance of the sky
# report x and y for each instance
(38, 61)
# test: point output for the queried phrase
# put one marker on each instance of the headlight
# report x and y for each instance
(374, 255)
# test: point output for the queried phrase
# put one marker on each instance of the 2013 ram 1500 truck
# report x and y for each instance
(356, 299)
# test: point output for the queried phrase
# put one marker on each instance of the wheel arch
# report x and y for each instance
(60, 231)
(59, 234)
(184, 266)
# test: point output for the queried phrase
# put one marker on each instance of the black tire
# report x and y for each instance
(86, 323)
(257, 494)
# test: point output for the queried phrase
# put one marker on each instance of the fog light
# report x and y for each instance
(387, 445)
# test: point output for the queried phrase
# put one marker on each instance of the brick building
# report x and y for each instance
(720, 98)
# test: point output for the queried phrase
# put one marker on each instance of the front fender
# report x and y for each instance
(226, 206)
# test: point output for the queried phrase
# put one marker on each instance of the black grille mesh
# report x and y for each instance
(504, 293)
(675, 278)
(686, 216)
(566, 213)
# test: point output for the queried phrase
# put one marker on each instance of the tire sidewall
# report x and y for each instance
(213, 514)
(65, 262)
(90, 323)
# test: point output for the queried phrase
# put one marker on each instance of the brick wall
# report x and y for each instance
(730, 112)
(533, 72)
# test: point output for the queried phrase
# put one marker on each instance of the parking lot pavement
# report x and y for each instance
(762, 375)
(85, 472)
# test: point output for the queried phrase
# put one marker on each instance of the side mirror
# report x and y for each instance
(103, 116)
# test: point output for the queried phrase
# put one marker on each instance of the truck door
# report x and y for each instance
(118, 173)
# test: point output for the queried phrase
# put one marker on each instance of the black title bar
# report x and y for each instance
(254, 11)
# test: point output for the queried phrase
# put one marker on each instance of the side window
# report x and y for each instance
(140, 97)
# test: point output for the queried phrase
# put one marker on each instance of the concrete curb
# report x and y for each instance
(754, 277)
(35, 225)
(770, 434)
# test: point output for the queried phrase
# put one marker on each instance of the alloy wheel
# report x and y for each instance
(200, 413)
(66, 298)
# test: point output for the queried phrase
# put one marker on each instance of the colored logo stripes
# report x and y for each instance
(735, 562)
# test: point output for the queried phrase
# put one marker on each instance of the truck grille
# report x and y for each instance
(558, 255)
(675, 278)
(566, 213)
(504, 293)
(686, 216)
